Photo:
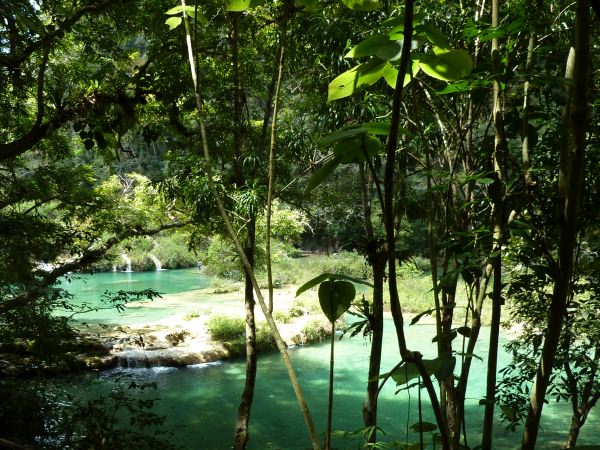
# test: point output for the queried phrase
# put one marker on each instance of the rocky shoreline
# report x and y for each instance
(175, 341)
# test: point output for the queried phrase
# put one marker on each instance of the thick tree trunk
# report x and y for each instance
(243, 418)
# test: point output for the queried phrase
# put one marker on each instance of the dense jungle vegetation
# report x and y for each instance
(462, 135)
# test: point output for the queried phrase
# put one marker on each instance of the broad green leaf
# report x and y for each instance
(319, 176)
(433, 35)
(440, 367)
(312, 283)
(337, 136)
(379, 128)
(240, 5)
(485, 181)
(179, 9)
(423, 427)
(452, 65)
(375, 128)
(335, 298)
(398, 21)
(353, 150)
(330, 276)
(362, 5)
(356, 78)
(464, 331)
(380, 46)
(391, 74)
(173, 22)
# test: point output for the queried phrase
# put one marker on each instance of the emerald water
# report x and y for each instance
(203, 399)
(177, 287)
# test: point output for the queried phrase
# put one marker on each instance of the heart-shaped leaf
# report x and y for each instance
(335, 298)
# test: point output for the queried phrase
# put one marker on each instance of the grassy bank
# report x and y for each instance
(414, 282)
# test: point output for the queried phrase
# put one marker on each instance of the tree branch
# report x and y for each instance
(88, 257)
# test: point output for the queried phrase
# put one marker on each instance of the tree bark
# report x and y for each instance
(243, 418)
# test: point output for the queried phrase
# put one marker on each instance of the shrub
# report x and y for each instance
(282, 316)
(191, 315)
(225, 328)
(316, 330)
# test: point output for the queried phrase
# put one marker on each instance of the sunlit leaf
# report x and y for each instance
(173, 22)
(433, 35)
(240, 5)
(451, 65)
(391, 74)
(362, 5)
(355, 79)
(380, 46)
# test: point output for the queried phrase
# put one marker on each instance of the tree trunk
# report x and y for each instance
(569, 195)
(497, 196)
(243, 417)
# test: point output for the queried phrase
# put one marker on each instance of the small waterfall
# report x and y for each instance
(127, 261)
(156, 262)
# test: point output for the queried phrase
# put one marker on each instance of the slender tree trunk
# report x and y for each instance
(277, 90)
(310, 426)
(569, 200)
(376, 257)
(497, 196)
(389, 217)
(243, 418)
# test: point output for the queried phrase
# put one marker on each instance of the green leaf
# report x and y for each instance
(319, 176)
(433, 35)
(464, 331)
(341, 135)
(312, 283)
(362, 5)
(380, 46)
(423, 427)
(441, 367)
(420, 315)
(355, 79)
(173, 22)
(179, 9)
(450, 65)
(485, 181)
(375, 128)
(240, 5)
(335, 298)
(353, 150)
(329, 276)
(391, 74)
